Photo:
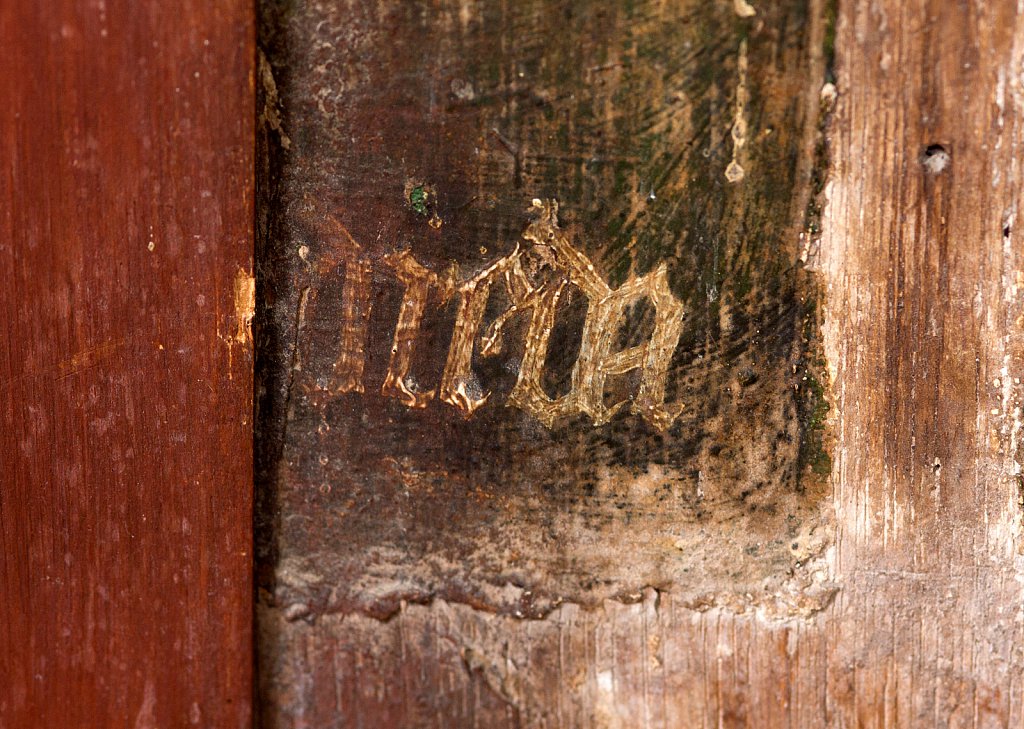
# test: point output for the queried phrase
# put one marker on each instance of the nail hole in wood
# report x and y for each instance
(935, 158)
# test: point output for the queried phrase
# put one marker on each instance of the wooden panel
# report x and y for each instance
(125, 363)
(438, 170)
(607, 173)
(920, 260)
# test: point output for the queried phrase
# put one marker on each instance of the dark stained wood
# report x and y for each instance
(576, 150)
(922, 269)
(126, 150)
(415, 154)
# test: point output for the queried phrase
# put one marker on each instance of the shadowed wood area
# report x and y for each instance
(126, 149)
(907, 611)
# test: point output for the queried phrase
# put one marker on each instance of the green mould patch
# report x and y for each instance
(813, 393)
(418, 199)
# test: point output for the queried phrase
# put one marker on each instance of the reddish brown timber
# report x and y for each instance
(126, 186)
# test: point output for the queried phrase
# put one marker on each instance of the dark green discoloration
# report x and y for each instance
(829, 45)
(418, 200)
(814, 404)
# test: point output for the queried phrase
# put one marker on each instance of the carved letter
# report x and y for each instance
(596, 362)
(418, 281)
(355, 313)
(458, 383)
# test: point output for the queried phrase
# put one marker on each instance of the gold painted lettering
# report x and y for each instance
(597, 361)
(458, 382)
(554, 265)
(418, 282)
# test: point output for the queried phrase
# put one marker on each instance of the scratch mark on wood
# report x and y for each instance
(735, 172)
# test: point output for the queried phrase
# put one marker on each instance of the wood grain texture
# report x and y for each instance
(126, 147)
(925, 339)
(923, 269)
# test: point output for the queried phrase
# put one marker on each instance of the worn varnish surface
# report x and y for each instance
(922, 332)
(125, 364)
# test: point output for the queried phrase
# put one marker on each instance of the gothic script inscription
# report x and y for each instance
(535, 276)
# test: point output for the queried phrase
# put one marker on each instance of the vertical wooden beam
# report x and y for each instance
(924, 266)
(126, 140)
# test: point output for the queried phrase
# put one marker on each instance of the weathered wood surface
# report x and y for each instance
(415, 208)
(126, 150)
(922, 338)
